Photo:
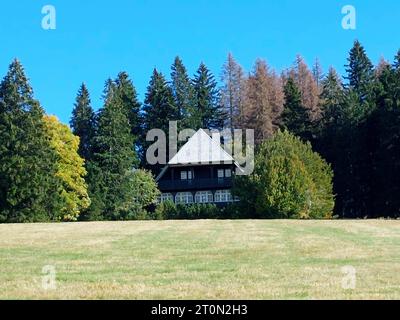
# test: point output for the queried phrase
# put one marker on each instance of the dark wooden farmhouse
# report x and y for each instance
(201, 172)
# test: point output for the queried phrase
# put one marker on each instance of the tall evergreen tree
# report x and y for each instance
(360, 72)
(159, 108)
(396, 64)
(114, 156)
(332, 95)
(209, 113)
(130, 103)
(295, 117)
(360, 134)
(386, 186)
(183, 93)
(29, 189)
(83, 122)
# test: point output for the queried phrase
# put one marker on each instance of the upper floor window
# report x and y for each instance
(186, 175)
(227, 173)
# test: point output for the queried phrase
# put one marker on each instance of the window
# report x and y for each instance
(186, 175)
(227, 173)
(204, 197)
(166, 197)
(184, 197)
(223, 196)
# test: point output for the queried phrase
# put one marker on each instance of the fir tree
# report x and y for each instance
(83, 122)
(359, 71)
(159, 108)
(130, 103)
(29, 189)
(183, 93)
(209, 113)
(114, 156)
(295, 117)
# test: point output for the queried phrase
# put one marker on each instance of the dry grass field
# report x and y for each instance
(201, 260)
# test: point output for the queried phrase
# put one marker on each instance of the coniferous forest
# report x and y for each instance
(337, 134)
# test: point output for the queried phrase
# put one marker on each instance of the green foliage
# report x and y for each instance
(141, 195)
(29, 189)
(359, 71)
(184, 94)
(113, 157)
(130, 103)
(295, 117)
(83, 122)
(159, 108)
(70, 169)
(209, 113)
(169, 211)
(289, 181)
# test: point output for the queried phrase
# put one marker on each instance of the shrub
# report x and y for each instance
(169, 211)
(289, 181)
(143, 193)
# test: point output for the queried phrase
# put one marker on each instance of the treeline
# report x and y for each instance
(46, 173)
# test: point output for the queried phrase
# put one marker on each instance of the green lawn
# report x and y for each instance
(201, 259)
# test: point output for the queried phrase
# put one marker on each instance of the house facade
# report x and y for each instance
(201, 172)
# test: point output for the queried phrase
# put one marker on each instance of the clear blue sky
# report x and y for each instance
(95, 40)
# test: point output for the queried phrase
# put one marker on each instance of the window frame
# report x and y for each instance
(186, 196)
(199, 196)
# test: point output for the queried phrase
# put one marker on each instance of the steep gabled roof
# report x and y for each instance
(201, 149)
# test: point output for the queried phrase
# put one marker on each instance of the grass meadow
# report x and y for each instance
(244, 259)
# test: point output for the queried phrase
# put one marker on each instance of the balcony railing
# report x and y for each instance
(178, 185)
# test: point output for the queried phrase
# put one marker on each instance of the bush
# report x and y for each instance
(166, 210)
(142, 194)
(169, 211)
(289, 181)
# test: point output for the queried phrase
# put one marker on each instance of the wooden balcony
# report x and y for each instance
(195, 184)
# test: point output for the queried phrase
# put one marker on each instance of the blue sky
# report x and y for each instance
(95, 40)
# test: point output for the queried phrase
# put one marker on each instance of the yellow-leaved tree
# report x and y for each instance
(70, 169)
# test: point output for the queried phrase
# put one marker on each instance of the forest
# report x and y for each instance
(339, 135)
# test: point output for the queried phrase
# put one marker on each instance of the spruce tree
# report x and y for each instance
(183, 93)
(114, 156)
(209, 112)
(83, 122)
(331, 98)
(360, 72)
(159, 108)
(295, 117)
(130, 103)
(396, 63)
(386, 186)
(29, 189)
